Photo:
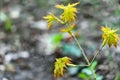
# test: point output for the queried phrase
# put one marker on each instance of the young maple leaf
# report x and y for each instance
(50, 18)
(69, 12)
(60, 65)
(110, 36)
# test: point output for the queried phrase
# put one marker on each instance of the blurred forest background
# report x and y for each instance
(28, 50)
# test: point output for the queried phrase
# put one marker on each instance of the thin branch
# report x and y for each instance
(97, 52)
(77, 42)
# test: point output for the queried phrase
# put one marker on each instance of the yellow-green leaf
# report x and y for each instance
(110, 36)
(60, 65)
(69, 12)
(50, 18)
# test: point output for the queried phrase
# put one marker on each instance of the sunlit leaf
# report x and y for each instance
(110, 36)
(69, 12)
(50, 18)
(60, 65)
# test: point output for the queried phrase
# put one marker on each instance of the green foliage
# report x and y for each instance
(57, 38)
(86, 73)
(8, 25)
(94, 64)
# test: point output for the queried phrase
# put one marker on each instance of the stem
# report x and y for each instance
(60, 21)
(77, 42)
(73, 65)
(97, 52)
(94, 74)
